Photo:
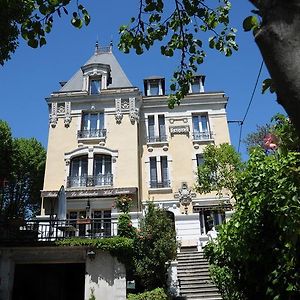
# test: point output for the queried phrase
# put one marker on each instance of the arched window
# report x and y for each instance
(102, 170)
(78, 171)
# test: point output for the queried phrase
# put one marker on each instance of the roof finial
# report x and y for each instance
(97, 47)
(111, 43)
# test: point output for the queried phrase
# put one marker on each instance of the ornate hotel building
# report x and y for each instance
(109, 138)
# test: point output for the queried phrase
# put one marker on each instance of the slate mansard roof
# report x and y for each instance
(104, 56)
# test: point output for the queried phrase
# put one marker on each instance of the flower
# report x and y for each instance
(270, 141)
(123, 203)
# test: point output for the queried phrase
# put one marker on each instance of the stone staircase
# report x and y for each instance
(193, 276)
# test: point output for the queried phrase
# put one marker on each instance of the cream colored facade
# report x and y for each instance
(107, 139)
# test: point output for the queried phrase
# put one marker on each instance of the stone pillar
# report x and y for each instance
(6, 275)
(105, 275)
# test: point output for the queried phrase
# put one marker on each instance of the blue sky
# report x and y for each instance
(32, 74)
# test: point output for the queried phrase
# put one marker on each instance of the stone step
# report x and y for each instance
(193, 272)
(192, 279)
(189, 254)
(202, 292)
(191, 258)
(189, 249)
(193, 262)
(198, 287)
(192, 267)
(201, 297)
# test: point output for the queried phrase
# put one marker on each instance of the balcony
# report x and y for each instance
(154, 184)
(202, 136)
(157, 141)
(32, 231)
(88, 181)
(92, 134)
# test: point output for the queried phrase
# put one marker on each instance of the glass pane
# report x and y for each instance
(74, 170)
(84, 166)
(107, 164)
(199, 158)
(93, 121)
(98, 162)
(73, 215)
(162, 127)
(204, 123)
(98, 214)
(85, 122)
(195, 87)
(101, 120)
(95, 86)
(196, 123)
(153, 170)
(154, 90)
(164, 168)
(151, 126)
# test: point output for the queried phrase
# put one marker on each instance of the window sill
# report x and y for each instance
(92, 140)
(203, 141)
(151, 145)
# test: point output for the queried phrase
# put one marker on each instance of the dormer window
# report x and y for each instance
(197, 86)
(154, 86)
(95, 86)
(96, 77)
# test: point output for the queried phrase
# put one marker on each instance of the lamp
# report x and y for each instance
(91, 254)
(88, 206)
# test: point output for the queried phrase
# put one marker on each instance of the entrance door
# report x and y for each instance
(49, 282)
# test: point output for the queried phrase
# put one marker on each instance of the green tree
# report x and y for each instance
(184, 27)
(220, 168)
(24, 177)
(33, 20)
(6, 146)
(257, 251)
(155, 246)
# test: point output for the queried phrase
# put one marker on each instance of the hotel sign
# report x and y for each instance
(91, 193)
(184, 129)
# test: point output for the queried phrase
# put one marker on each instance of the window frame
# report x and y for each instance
(95, 79)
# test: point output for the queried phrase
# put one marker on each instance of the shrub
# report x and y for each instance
(125, 227)
(155, 246)
(157, 294)
(257, 251)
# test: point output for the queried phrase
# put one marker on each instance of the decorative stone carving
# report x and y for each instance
(119, 114)
(53, 114)
(185, 196)
(183, 129)
(125, 104)
(133, 111)
(61, 109)
(172, 120)
(68, 118)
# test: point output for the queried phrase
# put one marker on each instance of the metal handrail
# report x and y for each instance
(202, 135)
(51, 230)
(92, 133)
(86, 181)
(156, 139)
(154, 184)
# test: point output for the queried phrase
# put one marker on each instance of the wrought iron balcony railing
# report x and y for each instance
(30, 231)
(202, 135)
(92, 133)
(154, 184)
(86, 181)
(157, 139)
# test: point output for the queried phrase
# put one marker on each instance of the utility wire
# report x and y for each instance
(249, 104)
